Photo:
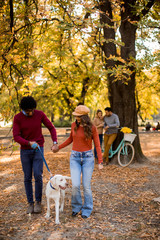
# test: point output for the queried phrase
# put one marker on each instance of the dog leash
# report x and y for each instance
(44, 160)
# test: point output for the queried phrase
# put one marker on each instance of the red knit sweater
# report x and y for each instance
(27, 129)
(80, 143)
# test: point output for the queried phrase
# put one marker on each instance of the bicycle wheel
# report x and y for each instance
(126, 154)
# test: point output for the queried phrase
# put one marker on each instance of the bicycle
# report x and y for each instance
(125, 150)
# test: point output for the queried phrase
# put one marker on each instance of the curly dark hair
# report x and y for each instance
(109, 109)
(87, 125)
(28, 103)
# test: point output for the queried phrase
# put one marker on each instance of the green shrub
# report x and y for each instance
(64, 123)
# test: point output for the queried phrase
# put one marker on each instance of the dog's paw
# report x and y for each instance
(61, 209)
(57, 222)
(47, 216)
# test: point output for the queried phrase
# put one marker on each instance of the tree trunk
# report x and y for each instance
(122, 95)
(52, 117)
(128, 36)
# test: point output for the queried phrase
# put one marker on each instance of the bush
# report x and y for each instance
(64, 123)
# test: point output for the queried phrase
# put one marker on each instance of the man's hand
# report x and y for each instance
(55, 148)
(106, 127)
(33, 145)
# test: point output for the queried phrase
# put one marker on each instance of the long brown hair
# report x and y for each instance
(87, 125)
(98, 111)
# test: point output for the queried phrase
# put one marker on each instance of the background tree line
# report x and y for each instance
(70, 52)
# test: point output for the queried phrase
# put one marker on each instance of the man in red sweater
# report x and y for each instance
(27, 131)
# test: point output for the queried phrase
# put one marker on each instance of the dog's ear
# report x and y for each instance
(53, 181)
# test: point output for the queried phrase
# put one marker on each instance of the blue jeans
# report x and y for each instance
(82, 162)
(101, 140)
(32, 162)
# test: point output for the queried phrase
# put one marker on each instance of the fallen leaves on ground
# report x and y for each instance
(123, 207)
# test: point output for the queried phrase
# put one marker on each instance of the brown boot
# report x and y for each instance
(104, 160)
(38, 207)
(30, 208)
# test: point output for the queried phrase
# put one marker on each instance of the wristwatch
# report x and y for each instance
(55, 142)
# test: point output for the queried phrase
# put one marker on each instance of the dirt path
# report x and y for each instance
(123, 206)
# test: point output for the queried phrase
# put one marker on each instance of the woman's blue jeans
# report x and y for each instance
(82, 163)
(32, 162)
(101, 140)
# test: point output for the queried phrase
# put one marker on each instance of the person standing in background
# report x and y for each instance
(158, 126)
(111, 124)
(99, 123)
(148, 126)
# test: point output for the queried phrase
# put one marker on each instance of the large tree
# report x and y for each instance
(122, 92)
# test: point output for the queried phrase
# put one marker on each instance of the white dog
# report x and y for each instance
(56, 189)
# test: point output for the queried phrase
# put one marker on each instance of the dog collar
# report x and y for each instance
(52, 186)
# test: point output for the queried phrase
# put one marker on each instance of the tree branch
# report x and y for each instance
(147, 7)
(145, 10)
(36, 21)
(11, 14)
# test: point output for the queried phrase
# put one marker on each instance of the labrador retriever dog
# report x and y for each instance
(55, 189)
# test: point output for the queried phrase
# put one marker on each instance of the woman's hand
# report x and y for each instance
(100, 166)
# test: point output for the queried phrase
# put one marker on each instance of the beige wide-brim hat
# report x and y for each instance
(81, 110)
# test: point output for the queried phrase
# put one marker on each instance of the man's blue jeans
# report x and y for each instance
(82, 162)
(101, 140)
(32, 162)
